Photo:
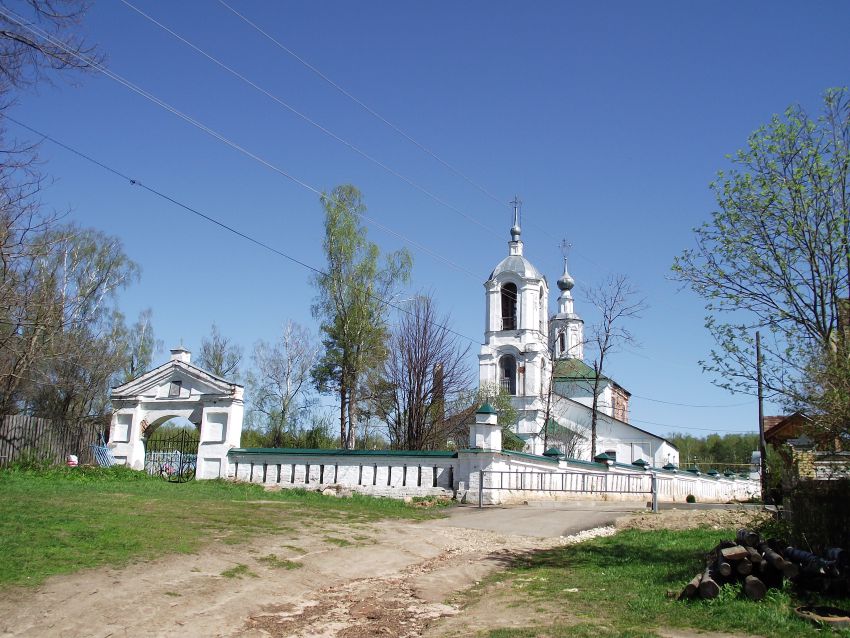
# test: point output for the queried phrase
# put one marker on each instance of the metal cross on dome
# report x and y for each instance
(517, 204)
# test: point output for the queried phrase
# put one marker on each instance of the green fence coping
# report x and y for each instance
(526, 455)
(286, 451)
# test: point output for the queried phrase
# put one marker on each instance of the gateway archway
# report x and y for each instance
(178, 389)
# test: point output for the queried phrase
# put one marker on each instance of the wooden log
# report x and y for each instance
(734, 553)
(708, 587)
(691, 588)
(754, 556)
(772, 557)
(747, 538)
(723, 568)
(754, 589)
(744, 567)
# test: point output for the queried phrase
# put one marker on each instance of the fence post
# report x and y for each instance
(654, 492)
(480, 489)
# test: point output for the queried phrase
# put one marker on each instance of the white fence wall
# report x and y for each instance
(508, 477)
(379, 474)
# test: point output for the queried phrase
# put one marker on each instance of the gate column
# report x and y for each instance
(221, 431)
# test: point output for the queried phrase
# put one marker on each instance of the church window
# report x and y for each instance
(174, 389)
(562, 343)
(542, 311)
(507, 374)
(509, 307)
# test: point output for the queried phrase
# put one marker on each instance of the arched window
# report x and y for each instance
(507, 374)
(509, 306)
(562, 343)
(543, 310)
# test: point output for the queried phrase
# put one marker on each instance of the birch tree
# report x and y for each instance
(352, 304)
(280, 378)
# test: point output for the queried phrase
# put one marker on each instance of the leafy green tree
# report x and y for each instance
(351, 304)
(775, 256)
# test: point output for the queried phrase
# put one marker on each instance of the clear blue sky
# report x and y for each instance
(608, 120)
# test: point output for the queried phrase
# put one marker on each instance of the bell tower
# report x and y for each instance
(567, 326)
(514, 358)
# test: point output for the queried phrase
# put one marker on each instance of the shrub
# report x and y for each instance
(690, 498)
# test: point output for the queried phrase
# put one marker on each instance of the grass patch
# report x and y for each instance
(341, 542)
(238, 571)
(62, 520)
(279, 563)
(617, 586)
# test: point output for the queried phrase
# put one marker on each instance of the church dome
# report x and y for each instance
(517, 265)
(566, 282)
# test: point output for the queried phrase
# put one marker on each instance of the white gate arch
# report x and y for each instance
(178, 389)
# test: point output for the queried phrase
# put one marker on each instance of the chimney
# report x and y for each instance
(181, 354)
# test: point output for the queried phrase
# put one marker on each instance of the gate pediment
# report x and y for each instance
(174, 381)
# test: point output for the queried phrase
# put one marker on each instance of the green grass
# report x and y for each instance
(66, 519)
(238, 571)
(340, 542)
(617, 586)
(279, 563)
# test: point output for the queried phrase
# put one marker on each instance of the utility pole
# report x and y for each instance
(762, 445)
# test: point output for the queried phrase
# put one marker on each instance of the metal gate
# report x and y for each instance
(174, 457)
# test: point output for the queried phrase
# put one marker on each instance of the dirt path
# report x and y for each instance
(393, 580)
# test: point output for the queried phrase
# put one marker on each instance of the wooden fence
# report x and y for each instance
(31, 438)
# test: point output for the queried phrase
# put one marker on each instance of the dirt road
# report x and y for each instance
(392, 578)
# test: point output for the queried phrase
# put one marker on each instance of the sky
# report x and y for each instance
(608, 120)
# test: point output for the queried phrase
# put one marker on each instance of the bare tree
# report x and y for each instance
(279, 378)
(41, 34)
(616, 301)
(220, 355)
(425, 365)
(140, 344)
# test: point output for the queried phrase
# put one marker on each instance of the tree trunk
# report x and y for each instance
(352, 420)
(343, 396)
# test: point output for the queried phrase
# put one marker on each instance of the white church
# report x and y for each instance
(521, 346)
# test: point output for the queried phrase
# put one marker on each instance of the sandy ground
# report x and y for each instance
(397, 579)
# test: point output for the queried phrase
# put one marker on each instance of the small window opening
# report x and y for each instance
(509, 307)
(174, 389)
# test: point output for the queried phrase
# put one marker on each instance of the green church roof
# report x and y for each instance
(574, 369)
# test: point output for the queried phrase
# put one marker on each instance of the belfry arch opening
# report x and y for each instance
(507, 374)
(509, 307)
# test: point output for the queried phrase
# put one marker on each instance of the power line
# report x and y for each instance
(691, 405)
(10, 15)
(307, 119)
(213, 220)
(360, 103)
(682, 427)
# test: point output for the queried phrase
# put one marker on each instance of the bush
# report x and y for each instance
(690, 498)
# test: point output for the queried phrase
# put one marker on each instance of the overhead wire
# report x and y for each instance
(360, 103)
(11, 15)
(381, 118)
(135, 182)
(691, 405)
(309, 120)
